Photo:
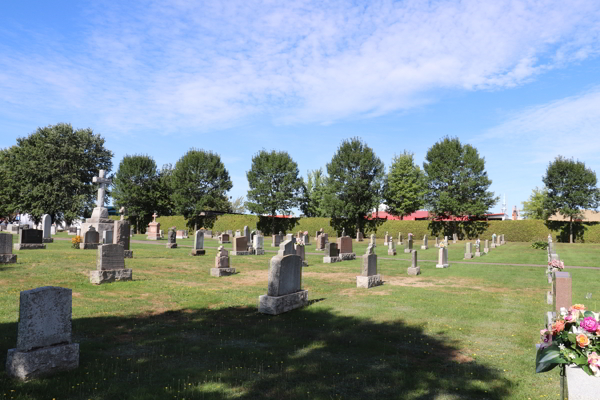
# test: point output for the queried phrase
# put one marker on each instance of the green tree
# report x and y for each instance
(457, 183)
(199, 184)
(313, 196)
(534, 207)
(404, 186)
(354, 186)
(571, 189)
(275, 186)
(51, 170)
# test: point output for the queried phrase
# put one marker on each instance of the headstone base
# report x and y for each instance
(468, 256)
(171, 245)
(222, 271)
(239, 253)
(330, 260)
(477, 254)
(127, 253)
(442, 265)
(408, 251)
(275, 305)
(29, 246)
(42, 362)
(88, 246)
(424, 247)
(48, 240)
(348, 256)
(99, 277)
(8, 258)
(368, 281)
(391, 252)
(198, 252)
(581, 386)
(414, 271)
(259, 252)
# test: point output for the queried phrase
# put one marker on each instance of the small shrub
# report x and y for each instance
(540, 245)
(75, 242)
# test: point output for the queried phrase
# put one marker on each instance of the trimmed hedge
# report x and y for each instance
(514, 231)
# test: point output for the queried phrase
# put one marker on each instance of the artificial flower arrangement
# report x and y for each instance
(442, 245)
(555, 265)
(574, 339)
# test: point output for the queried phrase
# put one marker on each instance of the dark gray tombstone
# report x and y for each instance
(30, 239)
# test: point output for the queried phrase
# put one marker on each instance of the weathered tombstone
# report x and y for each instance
(425, 244)
(222, 267)
(373, 241)
(477, 248)
(369, 277)
(122, 236)
(454, 237)
(246, 232)
(240, 247)
(443, 258)
(391, 248)
(300, 251)
(494, 241)
(30, 239)
(238, 233)
(285, 286)
(400, 239)
(345, 247)
(180, 234)
(171, 238)
(409, 245)
(6, 248)
(331, 253)
(502, 242)
(486, 249)
(224, 238)
(72, 230)
(359, 236)
(110, 265)
(44, 341)
(258, 245)
(386, 238)
(322, 241)
(446, 241)
(290, 236)
(306, 238)
(46, 229)
(107, 237)
(286, 248)
(52, 230)
(414, 269)
(437, 242)
(275, 240)
(468, 251)
(153, 231)
(198, 249)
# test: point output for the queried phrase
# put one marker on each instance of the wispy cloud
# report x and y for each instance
(171, 66)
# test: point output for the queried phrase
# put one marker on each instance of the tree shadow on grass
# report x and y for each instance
(236, 352)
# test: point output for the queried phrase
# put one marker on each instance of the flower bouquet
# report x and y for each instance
(555, 265)
(573, 340)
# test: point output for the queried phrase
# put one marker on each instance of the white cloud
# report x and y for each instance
(172, 66)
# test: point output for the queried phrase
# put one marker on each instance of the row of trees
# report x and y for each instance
(51, 172)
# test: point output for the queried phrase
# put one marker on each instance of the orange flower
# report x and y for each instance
(558, 327)
(578, 307)
(582, 340)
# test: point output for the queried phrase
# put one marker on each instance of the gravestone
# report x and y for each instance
(99, 219)
(238, 233)
(446, 241)
(331, 253)
(414, 269)
(409, 245)
(72, 231)
(222, 266)
(442, 258)
(224, 238)
(258, 245)
(181, 234)
(345, 247)
(286, 248)
(6, 248)
(246, 232)
(391, 248)
(290, 237)
(454, 238)
(373, 242)
(369, 277)
(400, 239)
(229, 232)
(359, 236)
(322, 241)
(437, 242)
(468, 251)
(486, 249)
(386, 238)
(47, 229)
(172, 238)
(110, 265)
(53, 230)
(44, 341)
(494, 241)
(161, 234)
(122, 236)
(208, 234)
(275, 240)
(153, 232)
(306, 238)
(107, 237)
(198, 249)
(478, 248)
(425, 244)
(300, 251)
(285, 286)
(79, 232)
(240, 247)
(561, 290)
(502, 242)
(30, 239)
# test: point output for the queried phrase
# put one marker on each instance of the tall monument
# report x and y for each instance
(99, 219)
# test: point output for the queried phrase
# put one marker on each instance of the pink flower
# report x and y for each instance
(589, 324)
(546, 338)
(594, 363)
(570, 318)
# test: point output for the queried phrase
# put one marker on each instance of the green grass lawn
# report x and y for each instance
(175, 332)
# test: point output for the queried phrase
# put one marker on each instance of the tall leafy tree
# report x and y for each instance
(313, 197)
(571, 189)
(275, 184)
(199, 184)
(51, 170)
(534, 207)
(354, 186)
(457, 183)
(237, 206)
(405, 186)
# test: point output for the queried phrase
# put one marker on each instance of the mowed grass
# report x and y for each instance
(175, 332)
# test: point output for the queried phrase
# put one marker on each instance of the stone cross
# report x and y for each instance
(102, 181)
(154, 217)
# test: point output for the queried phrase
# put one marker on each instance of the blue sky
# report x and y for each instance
(519, 80)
